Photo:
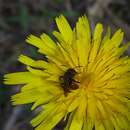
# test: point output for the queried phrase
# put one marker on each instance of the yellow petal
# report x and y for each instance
(48, 41)
(50, 117)
(73, 105)
(30, 62)
(82, 40)
(91, 108)
(107, 36)
(95, 44)
(43, 48)
(37, 72)
(76, 123)
(115, 41)
(64, 28)
(26, 60)
(88, 124)
(20, 78)
(122, 121)
(99, 125)
(25, 97)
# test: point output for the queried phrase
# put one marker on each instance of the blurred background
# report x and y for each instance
(19, 18)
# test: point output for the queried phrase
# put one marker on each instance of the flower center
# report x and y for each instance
(86, 80)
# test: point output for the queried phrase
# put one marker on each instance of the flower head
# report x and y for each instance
(85, 80)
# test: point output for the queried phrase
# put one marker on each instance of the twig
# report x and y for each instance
(12, 119)
(68, 5)
(96, 10)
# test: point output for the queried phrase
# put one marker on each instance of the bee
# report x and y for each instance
(67, 81)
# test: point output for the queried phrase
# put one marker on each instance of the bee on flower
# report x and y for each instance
(85, 80)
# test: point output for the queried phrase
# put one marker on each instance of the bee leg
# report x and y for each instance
(61, 78)
(66, 91)
(75, 81)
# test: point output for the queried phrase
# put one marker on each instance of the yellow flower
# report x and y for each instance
(85, 80)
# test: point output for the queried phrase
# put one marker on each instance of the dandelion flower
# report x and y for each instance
(85, 80)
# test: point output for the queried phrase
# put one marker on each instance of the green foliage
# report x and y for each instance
(4, 94)
(22, 18)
